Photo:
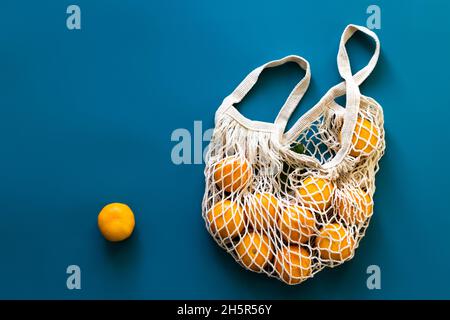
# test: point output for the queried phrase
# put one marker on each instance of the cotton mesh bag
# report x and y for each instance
(290, 203)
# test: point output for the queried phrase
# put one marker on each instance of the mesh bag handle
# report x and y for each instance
(349, 87)
(344, 61)
(291, 102)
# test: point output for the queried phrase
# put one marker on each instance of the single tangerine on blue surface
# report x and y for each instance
(116, 222)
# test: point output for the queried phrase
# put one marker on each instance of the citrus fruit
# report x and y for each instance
(365, 137)
(334, 242)
(293, 264)
(226, 219)
(296, 224)
(316, 193)
(254, 250)
(262, 210)
(116, 221)
(232, 174)
(355, 207)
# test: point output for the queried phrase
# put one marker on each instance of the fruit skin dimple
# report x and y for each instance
(232, 174)
(365, 137)
(261, 211)
(226, 219)
(316, 193)
(293, 264)
(116, 222)
(296, 224)
(254, 250)
(334, 243)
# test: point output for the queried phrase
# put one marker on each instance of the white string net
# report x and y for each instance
(280, 215)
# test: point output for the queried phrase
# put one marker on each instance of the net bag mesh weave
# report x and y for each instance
(290, 212)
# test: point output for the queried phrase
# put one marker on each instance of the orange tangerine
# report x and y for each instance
(226, 219)
(355, 207)
(262, 210)
(293, 264)
(365, 137)
(232, 174)
(116, 222)
(316, 193)
(296, 224)
(254, 250)
(334, 242)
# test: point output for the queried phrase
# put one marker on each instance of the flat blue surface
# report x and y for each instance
(86, 118)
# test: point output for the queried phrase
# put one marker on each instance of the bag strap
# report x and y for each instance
(349, 87)
(291, 102)
(351, 84)
(344, 61)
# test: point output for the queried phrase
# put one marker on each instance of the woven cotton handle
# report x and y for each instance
(291, 102)
(343, 59)
(351, 87)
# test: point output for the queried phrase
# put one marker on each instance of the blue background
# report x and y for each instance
(86, 118)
